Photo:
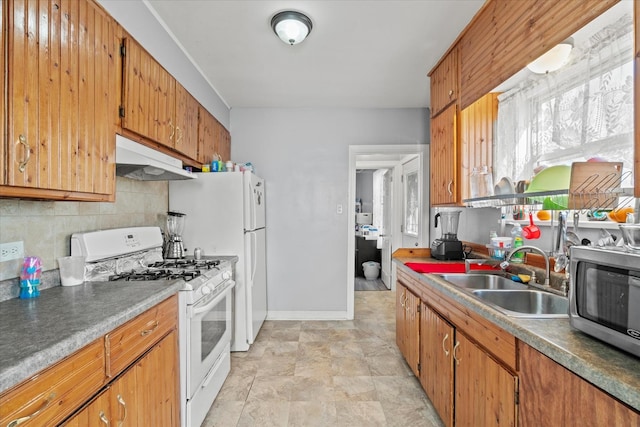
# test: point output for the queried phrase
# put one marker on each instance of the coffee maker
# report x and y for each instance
(447, 247)
(175, 224)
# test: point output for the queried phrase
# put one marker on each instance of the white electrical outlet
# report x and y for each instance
(9, 251)
(339, 209)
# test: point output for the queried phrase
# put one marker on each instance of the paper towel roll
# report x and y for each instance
(380, 242)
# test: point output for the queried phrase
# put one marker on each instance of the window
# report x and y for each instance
(583, 111)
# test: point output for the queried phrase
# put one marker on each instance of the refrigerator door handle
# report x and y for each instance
(254, 257)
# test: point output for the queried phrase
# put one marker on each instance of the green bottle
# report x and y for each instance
(516, 233)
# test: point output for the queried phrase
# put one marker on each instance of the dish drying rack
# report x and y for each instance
(594, 186)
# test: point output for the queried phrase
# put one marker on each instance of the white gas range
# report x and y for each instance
(205, 312)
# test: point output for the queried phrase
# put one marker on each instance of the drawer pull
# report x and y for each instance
(179, 132)
(44, 406)
(446, 337)
(172, 130)
(148, 331)
(124, 407)
(103, 418)
(27, 153)
(455, 350)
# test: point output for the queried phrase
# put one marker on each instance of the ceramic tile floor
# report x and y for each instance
(325, 373)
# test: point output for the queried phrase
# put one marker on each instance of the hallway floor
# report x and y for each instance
(325, 373)
(362, 284)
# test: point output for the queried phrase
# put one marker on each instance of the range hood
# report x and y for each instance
(136, 161)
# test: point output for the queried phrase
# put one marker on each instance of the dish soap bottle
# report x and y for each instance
(516, 234)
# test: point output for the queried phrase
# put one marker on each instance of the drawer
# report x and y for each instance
(128, 342)
(54, 393)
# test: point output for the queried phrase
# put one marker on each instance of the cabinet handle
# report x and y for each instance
(148, 331)
(455, 350)
(103, 418)
(450, 93)
(446, 337)
(42, 407)
(401, 301)
(449, 188)
(27, 153)
(179, 132)
(124, 406)
(172, 130)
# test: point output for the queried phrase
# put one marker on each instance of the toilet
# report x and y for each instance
(371, 270)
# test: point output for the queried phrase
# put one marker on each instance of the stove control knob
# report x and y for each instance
(206, 290)
(226, 275)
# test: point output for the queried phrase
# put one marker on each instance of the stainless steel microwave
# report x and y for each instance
(604, 295)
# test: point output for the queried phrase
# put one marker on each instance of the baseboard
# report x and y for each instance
(307, 315)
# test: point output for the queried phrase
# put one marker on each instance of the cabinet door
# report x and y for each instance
(148, 96)
(436, 366)
(224, 143)
(401, 294)
(485, 391)
(186, 133)
(61, 96)
(96, 413)
(443, 158)
(206, 136)
(444, 82)
(553, 395)
(412, 332)
(477, 123)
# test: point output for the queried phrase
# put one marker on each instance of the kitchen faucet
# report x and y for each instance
(528, 248)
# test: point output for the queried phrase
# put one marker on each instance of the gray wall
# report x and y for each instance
(143, 26)
(303, 155)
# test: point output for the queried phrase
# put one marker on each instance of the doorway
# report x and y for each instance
(391, 158)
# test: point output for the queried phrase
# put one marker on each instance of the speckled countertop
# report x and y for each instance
(35, 333)
(612, 370)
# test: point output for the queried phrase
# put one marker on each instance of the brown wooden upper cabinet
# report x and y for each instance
(444, 158)
(61, 91)
(157, 107)
(186, 132)
(149, 96)
(213, 138)
(501, 40)
(477, 126)
(444, 82)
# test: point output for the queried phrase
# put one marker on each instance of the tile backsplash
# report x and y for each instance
(45, 227)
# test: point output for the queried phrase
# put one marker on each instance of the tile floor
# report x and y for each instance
(362, 284)
(325, 373)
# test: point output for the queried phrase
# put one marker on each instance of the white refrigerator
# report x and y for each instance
(225, 215)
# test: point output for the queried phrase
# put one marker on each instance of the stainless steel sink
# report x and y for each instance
(525, 303)
(481, 281)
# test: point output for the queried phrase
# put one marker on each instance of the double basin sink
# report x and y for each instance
(511, 298)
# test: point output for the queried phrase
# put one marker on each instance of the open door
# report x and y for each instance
(382, 214)
(412, 203)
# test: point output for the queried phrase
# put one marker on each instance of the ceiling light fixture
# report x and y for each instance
(554, 59)
(292, 27)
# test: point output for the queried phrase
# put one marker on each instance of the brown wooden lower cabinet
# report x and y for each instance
(551, 395)
(469, 370)
(408, 326)
(95, 388)
(145, 394)
(485, 391)
(436, 364)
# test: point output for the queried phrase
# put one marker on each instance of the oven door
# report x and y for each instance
(209, 332)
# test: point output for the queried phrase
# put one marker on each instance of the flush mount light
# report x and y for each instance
(554, 59)
(292, 27)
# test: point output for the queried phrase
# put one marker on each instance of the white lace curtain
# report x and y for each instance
(582, 111)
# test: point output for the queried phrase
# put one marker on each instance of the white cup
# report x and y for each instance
(71, 270)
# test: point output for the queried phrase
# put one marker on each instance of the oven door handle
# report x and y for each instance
(209, 305)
